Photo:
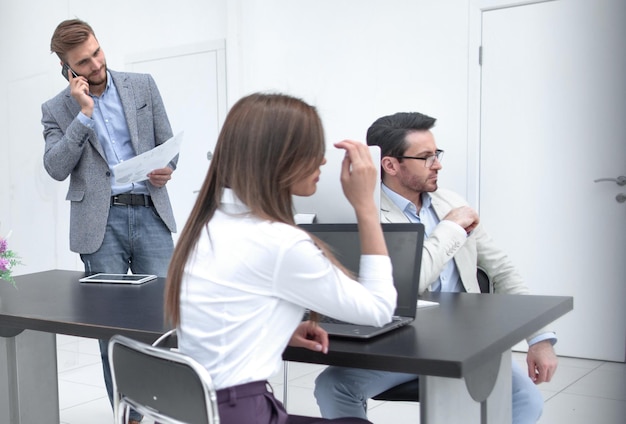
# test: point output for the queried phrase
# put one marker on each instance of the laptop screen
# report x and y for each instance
(404, 244)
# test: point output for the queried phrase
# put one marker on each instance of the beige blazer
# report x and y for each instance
(468, 253)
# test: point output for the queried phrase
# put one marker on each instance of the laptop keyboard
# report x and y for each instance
(324, 319)
(328, 320)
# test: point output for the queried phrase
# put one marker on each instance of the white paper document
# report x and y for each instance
(138, 168)
(421, 303)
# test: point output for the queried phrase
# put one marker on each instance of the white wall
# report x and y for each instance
(354, 59)
(358, 60)
(31, 203)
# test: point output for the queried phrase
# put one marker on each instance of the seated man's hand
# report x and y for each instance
(464, 216)
(311, 336)
(542, 362)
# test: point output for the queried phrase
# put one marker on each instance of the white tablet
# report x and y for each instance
(118, 278)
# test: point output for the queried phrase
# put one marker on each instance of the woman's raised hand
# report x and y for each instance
(358, 175)
(358, 179)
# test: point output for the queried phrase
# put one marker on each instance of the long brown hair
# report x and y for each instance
(267, 143)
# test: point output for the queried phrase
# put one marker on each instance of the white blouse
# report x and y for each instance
(248, 284)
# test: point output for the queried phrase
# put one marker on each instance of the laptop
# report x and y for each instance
(404, 244)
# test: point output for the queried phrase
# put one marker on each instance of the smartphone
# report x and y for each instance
(65, 68)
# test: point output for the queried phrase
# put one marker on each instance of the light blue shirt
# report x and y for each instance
(449, 280)
(109, 123)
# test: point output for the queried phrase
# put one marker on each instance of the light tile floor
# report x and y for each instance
(582, 391)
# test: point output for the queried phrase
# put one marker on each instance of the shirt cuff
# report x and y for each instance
(86, 121)
(375, 266)
(544, 336)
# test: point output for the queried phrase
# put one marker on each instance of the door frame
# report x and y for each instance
(474, 79)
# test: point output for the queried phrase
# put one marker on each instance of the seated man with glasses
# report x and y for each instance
(454, 247)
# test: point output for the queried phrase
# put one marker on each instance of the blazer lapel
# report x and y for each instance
(440, 207)
(71, 105)
(389, 211)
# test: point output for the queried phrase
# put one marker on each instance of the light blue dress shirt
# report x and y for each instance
(109, 122)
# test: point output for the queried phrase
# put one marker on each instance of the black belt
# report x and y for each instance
(125, 199)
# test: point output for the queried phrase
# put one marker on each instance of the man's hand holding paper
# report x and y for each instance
(160, 177)
(151, 165)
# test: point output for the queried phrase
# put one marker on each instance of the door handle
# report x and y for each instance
(621, 180)
(621, 198)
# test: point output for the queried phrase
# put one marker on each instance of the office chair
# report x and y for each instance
(167, 340)
(409, 391)
(162, 384)
(483, 281)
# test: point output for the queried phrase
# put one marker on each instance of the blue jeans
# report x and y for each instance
(136, 239)
(343, 392)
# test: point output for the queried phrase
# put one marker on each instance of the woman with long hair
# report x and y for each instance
(243, 274)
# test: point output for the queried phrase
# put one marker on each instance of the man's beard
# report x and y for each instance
(419, 185)
(100, 82)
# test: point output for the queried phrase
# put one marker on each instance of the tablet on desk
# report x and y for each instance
(118, 278)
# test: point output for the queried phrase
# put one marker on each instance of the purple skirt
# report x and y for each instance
(254, 403)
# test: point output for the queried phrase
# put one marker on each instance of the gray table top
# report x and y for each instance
(460, 334)
(444, 340)
(56, 302)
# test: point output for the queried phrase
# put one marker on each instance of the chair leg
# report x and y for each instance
(285, 382)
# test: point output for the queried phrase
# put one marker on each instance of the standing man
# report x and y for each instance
(100, 120)
(454, 247)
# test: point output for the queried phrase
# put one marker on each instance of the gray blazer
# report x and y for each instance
(74, 150)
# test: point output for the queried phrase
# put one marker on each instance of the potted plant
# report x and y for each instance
(8, 260)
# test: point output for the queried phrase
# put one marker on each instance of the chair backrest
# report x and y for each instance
(167, 386)
(168, 339)
(483, 281)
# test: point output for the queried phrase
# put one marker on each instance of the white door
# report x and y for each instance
(192, 82)
(553, 107)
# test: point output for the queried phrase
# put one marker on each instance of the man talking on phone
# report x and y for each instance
(99, 120)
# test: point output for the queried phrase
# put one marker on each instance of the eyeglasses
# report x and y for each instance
(429, 161)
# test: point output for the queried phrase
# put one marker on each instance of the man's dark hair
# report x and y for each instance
(389, 132)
